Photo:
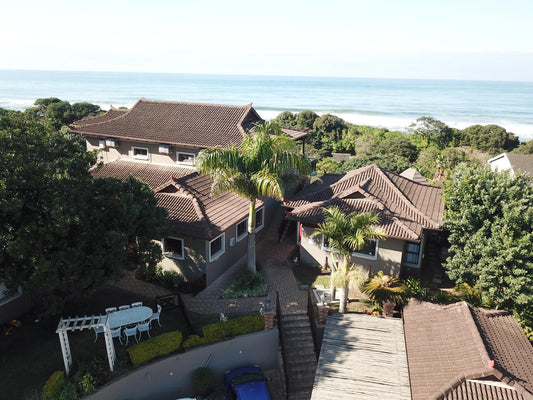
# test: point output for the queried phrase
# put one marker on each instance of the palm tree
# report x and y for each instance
(346, 234)
(260, 168)
(385, 288)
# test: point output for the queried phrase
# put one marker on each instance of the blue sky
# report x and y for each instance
(441, 39)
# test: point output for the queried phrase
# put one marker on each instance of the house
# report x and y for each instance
(435, 352)
(461, 352)
(512, 162)
(158, 142)
(168, 132)
(408, 211)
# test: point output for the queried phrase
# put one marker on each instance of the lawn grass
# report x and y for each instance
(32, 352)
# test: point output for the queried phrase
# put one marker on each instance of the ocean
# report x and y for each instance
(389, 103)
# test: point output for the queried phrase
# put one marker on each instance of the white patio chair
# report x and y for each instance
(129, 332)
(110, 309)
(124, 307)
(97, 330)
(117, 332)
(138, 304)
(155, 316)
(143, 327)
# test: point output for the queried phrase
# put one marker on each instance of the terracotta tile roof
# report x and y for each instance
(449, 356)
(176, 123)
(108, 116)
(192, 209)
(408, 206)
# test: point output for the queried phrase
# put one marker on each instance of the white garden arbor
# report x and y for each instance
(81, 323)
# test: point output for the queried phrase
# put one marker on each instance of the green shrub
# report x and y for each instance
(203, 379)
(233, 327)
(68, 392)
(161, 277)
(155, 347)
(87, 384)
(247, 284)
(194, 341)
(53, 385)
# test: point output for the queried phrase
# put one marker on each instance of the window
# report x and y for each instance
(185, 158)
(259, 219)
(242, 229)
(369, 250)
(173, 248)
(412, 253)
(140, 153)
(325, 244)
(217, 246)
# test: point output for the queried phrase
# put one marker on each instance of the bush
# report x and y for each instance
(203, 379)
(226, 330)
(53, 385)
(247, 284)
(233, 327)
(194, 341)
(158, 276)
(155, 347)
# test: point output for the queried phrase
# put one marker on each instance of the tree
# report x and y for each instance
(346, 234)
(432, 132)
(525, 148)
(492, 139)
(305, 119)
(384, 288)
(286, 119)
(260, 168)
(63, 234)
(490, 219)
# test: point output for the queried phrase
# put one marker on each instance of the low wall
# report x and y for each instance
(171, 377)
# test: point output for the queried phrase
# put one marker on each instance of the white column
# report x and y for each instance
(110, 346)
(65, 349)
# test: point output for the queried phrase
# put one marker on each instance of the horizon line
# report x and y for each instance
(267, 75)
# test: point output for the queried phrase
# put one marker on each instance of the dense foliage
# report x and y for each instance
(57, 113)
(430, 146)
(490, 219)
(155, 347)
(62, 234)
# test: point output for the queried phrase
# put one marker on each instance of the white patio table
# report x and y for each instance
(130, 316)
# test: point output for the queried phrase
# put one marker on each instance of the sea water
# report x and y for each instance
(389, 103)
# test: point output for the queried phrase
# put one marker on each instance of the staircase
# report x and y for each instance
(299, 355)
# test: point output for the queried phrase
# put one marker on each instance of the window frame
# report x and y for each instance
(174, 255)
(237, 237)
(147, 158)
(262, 211)
(406, 252)
(368, 256)
(323, 245)
(190, 164)
(222, 237)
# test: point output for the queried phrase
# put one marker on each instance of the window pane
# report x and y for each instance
(216, 246)
(411, 258)
(369, 248)
(174, 246)
(259, 218)
(241, 228)
(186, 158)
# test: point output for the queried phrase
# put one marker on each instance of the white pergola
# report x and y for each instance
(79, 324)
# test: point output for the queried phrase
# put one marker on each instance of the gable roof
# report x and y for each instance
(362, 357)
(193, 210)
(521, 162)
(406, 207)
(414, 175)
(177, 123)
(459, 352)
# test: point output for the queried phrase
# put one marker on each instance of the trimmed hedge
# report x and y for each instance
(53, 385)
(155, 347)
(233, 327)
(194, 341)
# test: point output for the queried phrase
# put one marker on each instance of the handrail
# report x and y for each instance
(282, 343)
(312, 323)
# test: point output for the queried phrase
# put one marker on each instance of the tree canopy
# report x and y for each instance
(260, 168)
(58, 113)
(61, 232)
(490, 219)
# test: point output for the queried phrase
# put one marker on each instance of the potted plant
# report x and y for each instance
(203, 380)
